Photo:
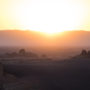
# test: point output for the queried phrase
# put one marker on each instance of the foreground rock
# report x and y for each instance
(1, 77)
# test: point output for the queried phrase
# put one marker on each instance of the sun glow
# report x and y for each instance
(49, 16)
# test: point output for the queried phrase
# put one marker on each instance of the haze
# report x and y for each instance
(36, 39)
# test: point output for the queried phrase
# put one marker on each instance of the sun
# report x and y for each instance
(50, 31)
(48, 16)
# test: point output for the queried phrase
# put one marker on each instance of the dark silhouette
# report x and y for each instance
(24, 73)
(22, 52)
(84, 53)
(89, 53)
(1, 77)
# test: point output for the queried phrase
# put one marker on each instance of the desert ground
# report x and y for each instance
(43, 73)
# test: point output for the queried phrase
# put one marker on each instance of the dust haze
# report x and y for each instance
(34, 61)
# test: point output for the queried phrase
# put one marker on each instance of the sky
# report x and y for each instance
(45, 15)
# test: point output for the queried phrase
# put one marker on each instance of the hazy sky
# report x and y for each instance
(45, 15)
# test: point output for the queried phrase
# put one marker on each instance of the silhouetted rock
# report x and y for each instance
(22, 51)
(89, 53)
(84, 53)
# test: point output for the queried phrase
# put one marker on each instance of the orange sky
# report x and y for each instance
(45, 15)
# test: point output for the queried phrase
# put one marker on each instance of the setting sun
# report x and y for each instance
(49, 16)
(44, 44)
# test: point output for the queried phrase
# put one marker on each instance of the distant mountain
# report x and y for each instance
(33, 38)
